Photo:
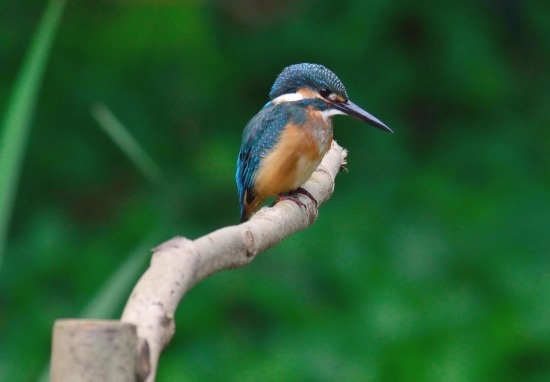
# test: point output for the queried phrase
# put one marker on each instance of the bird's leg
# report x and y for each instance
(294, 199)
(305, 192)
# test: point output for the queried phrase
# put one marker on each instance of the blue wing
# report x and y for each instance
(259, 136)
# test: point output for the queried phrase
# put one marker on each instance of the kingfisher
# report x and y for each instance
(285, 142)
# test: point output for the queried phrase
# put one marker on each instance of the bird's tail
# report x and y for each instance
(248, 207)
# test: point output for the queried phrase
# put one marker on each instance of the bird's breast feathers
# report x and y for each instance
(298, 152)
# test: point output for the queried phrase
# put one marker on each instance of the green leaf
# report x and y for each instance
(17, 120)
(127, 144)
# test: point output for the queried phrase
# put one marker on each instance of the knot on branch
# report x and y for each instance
(143, 364)
(249, 244)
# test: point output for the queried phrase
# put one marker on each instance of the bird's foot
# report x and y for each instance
(305, 192)
(294, 199)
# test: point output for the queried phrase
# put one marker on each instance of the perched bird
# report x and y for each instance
(285, 142)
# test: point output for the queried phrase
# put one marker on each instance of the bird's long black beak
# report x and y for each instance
(355, 111)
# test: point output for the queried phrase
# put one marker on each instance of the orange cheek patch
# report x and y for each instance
(308, 93)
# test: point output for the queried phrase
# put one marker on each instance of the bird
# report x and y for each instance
(285, 142)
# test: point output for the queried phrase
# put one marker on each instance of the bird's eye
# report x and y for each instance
(331, 96)
(325, 93)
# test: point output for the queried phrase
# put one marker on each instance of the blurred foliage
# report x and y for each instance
(430, 263)
(16, 124)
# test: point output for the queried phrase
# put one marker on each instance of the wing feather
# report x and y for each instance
(259, 137)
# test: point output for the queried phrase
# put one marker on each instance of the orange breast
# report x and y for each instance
(292, 161)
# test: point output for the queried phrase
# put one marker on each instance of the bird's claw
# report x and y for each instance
(295, 199)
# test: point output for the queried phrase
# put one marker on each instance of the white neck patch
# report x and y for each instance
(290, 97)
(331, 112)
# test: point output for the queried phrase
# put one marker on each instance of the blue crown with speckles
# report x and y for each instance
(306, 75)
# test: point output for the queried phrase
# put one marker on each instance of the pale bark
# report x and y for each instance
(94, 350)
(178, 264)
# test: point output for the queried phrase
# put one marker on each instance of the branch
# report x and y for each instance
(178, 264)
(94, 350)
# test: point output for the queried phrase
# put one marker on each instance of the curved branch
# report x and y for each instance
(178, 264)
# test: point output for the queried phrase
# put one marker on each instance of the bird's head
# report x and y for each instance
(302, 81)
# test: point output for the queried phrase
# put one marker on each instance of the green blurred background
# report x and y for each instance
(430, 263)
